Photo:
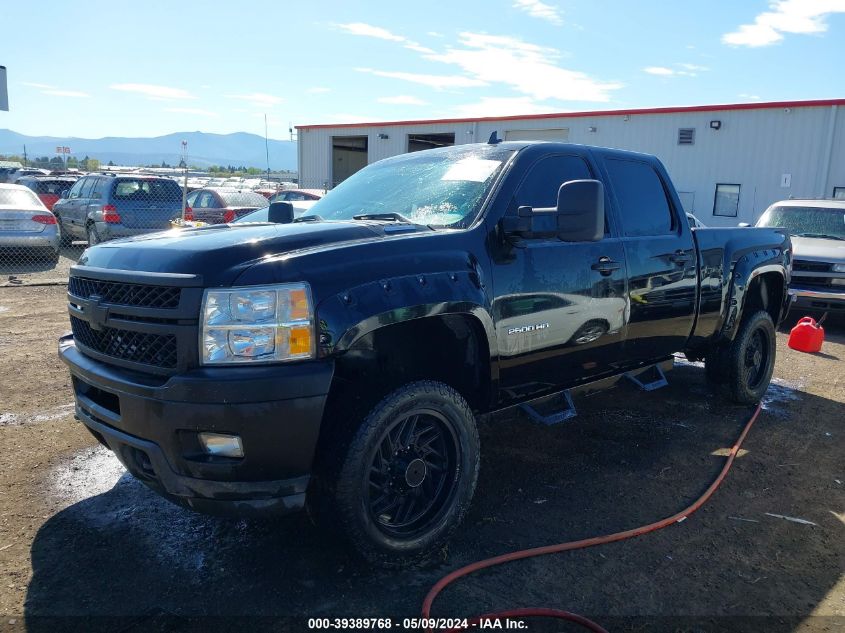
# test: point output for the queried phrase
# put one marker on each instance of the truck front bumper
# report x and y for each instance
(815, 299)
(152, 425)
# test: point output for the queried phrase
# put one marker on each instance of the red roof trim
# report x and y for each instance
(571, 115)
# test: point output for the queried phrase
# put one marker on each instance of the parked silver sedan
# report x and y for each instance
(27, 229)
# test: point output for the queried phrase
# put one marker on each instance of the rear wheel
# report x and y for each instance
(589, 332)
(408, 475)
(93, 236)
(751, 358)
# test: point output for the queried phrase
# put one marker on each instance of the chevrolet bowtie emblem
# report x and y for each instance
(95, 313)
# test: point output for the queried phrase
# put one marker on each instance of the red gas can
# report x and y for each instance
(807, 335)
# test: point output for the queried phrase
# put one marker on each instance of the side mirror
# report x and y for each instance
(63, 194)
(280, 212)
(743, 225)
(580, 211)
(578, 217)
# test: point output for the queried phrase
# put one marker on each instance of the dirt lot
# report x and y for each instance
(82, 545)
(19, 269)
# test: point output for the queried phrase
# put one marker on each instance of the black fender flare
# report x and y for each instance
(747, 268)
(349, 315)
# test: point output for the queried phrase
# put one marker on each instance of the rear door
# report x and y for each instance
(660, 255)
(147, 203)
(560, 308)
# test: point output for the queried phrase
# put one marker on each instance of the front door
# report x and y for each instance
(560, 308)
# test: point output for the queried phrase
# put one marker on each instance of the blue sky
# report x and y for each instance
(116, 68)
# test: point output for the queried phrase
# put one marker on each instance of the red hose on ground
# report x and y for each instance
(571, 545)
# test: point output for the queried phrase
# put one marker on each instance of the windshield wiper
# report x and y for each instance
(392, 217)
(823, 236)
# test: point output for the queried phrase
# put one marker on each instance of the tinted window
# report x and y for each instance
(147, 189)
(54, 187)
(540, 187)
(87, 187)
(644, 208)
(74, 191)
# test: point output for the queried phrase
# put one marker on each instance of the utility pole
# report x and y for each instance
(184, 165)
(24, 156)
(267, 147)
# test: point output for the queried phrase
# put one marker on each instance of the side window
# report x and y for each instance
(74, 191)
(97, 190)
(191, 199)
(205, 200)
(539, 188)
(87, 187)
(644, 207)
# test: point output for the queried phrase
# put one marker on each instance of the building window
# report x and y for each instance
(726, 201)
(419, 142)
(686, 136)
(839, 193)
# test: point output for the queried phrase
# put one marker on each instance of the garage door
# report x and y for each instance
(553, 134)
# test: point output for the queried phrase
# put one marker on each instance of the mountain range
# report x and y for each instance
(204, 149)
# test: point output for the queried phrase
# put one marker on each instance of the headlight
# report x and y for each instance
(839, 268)
(257, 324)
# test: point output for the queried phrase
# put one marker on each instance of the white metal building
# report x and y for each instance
(728, 162)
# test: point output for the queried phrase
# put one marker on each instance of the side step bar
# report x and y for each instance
(559, 407)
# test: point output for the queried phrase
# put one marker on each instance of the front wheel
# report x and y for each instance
(751, 358)
(408, 475)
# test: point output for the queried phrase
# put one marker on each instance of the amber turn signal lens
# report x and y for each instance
(300, 340)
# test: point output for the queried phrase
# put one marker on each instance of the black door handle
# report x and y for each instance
(680, 257)
(605, 266)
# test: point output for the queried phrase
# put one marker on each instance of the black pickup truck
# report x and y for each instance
(338, 361)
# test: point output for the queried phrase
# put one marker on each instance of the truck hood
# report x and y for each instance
(818, 249)
(219, 253)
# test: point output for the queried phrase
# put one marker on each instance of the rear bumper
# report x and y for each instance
(42, 240)
(814, 299)
(151, 424)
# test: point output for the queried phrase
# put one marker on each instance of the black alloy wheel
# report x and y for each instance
(411, 471)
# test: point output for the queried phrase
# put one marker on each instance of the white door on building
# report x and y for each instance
(561, 135)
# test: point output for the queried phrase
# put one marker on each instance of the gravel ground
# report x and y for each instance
(18, 270)
(83, 545)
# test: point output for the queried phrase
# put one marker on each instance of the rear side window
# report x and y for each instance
(540, 187)
(54, 187)
(644, 208)
(87, 187)
(147, 190)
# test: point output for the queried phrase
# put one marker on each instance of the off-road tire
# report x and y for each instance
(748, 379)
(348, 491)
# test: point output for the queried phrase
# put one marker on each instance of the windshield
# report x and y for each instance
(443, 187)
(807, 221)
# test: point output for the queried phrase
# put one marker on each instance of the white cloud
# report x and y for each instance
(438, 82)
(686, 70)
(368, 30)
(502, 106)
(527, 68)
(318, 90)
(786, 16)
(434, 34)
(749, 97)
(197, 111)
(258, 98)
(402, 100)
(47, 89)
(659, 70)
(154, 92)
(56, 92)
(379, 33)
(541, 10)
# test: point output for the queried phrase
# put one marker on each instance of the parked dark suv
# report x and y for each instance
(102, 207)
